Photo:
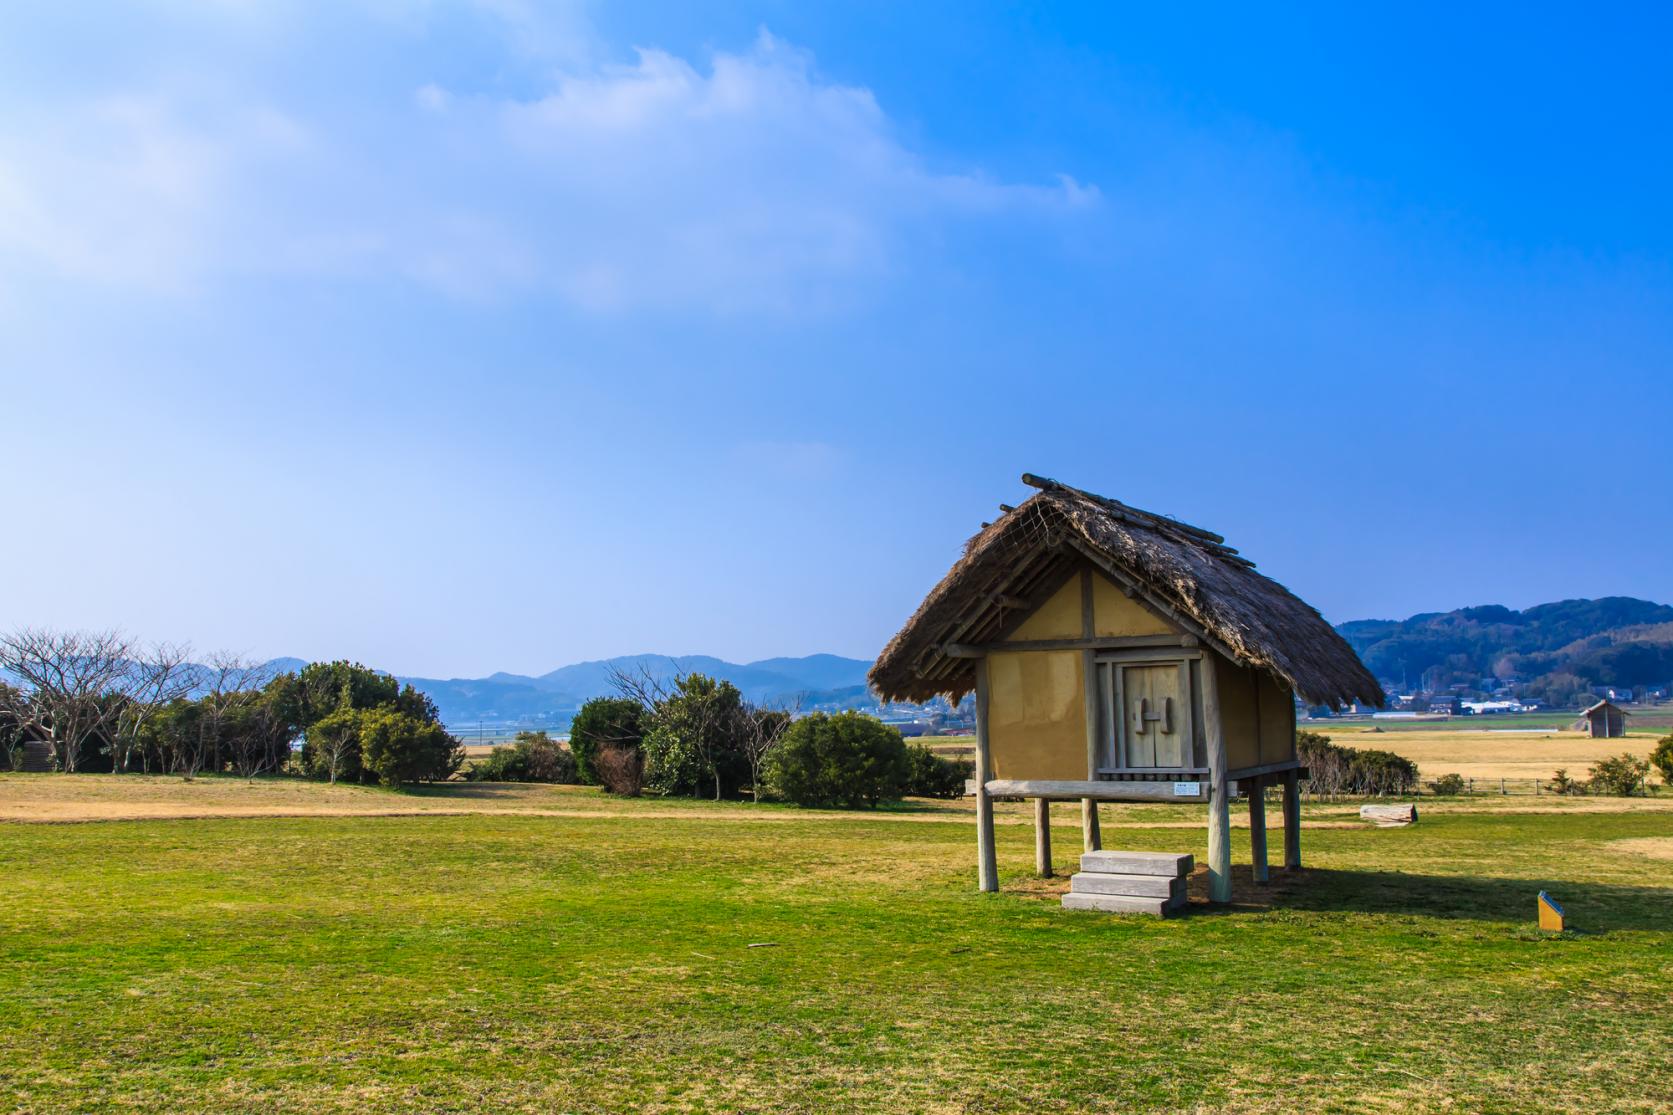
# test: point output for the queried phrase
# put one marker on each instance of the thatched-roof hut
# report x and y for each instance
(1117, 654)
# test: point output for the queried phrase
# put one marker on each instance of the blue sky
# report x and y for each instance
(457, 337)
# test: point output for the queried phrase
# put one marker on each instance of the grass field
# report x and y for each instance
(1490, 754)
(543, 948)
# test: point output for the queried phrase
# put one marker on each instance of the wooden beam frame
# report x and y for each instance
(1136, 591)
(1220, 789)
(1092, 835)
(1265, 769)
(1292, 820)
(1070, 790)
(1042, 837)
(987, 863)
(1087, 642)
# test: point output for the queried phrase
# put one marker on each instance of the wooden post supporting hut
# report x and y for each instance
(1119, 655)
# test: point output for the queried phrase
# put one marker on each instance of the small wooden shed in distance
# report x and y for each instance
(1604, 720)
(1120, 655)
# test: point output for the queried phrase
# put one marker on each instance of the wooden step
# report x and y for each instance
(1135, 886)
(1118, 904)
(1137, 863)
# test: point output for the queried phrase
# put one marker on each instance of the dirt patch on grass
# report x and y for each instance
(1655, 847)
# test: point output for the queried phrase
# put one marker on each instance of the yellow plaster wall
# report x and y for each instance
(1239, 719)
(1277, 720)
(1114, 614)
(1259, 730)
(1037, 713)
(1057, 618)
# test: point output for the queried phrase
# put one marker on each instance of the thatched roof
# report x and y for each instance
(1187, 574)
(1605, 703)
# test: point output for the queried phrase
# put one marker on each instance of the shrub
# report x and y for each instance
(1561, 783)
(848, 759)
(532, 757)
(1380, 772)
(603, 722)
(1333, 769)
(400, 748)
(620, 769)
(930, 776)
(1448, 785)
(1621, 776)
(1662, 759)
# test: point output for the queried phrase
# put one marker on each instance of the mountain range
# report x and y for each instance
(1553, 650)
(553, 696)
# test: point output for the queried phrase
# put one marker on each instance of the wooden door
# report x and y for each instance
(1156, 718)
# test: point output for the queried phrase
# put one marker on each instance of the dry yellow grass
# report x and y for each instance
(1655, 847)
(1487, 755)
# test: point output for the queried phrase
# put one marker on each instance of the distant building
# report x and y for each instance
(1603, 720)
(1449, 704)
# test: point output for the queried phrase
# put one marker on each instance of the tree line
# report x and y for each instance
(102, 702)
(695, 736)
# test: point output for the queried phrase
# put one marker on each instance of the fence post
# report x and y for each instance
(1501, 787)
(1472, 785)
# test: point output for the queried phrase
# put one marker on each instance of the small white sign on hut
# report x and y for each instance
(1120, 655)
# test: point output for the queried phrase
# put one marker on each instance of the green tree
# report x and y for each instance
(695, 741)
(332, 749)
(604, 722)
(849, 759)
(532, 757)
(1662, 759)
(1622, 776)
(931, 776)
(398, 747)
(321, 688)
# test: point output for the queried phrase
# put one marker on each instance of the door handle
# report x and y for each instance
(1141, 716)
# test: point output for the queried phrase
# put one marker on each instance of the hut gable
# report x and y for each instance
(1013, 577)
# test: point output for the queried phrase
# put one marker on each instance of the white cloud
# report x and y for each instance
(751, 184)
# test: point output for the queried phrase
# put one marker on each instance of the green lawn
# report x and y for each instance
(601, 962)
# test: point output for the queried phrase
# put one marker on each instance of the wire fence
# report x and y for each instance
(483, 734)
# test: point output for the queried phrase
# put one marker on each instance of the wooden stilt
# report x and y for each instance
(987, 862)
(1292, 820)
(1042, 837)
(1256, 789)
(1092, 838)
(1219, 790)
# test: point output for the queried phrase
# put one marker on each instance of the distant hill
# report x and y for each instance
(1554, 648)
(555, 694)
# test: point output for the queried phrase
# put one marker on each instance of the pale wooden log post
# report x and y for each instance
(1219, 787)
(1292, 820)
(1092, 839)
(1042, 837)
(987, 862)
(1256, 788)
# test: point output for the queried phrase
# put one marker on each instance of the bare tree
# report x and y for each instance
(17, 717)
(231, 684)
(74, 682)
(760, 732)
(705, 715)
(638, 685)
(257, 738)
(156, 676)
